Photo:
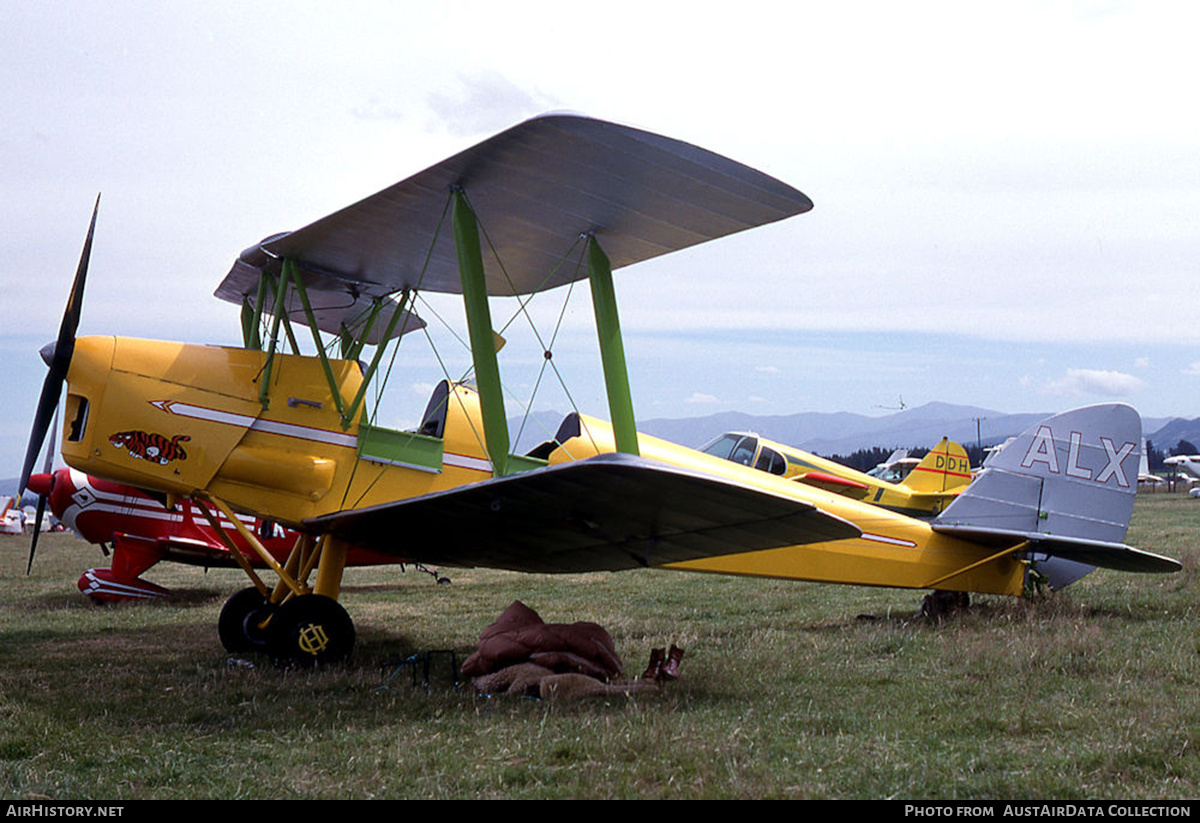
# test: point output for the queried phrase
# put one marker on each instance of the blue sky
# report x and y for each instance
(1005, 201)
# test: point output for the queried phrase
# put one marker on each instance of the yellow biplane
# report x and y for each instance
(554, 200)
(924, 491)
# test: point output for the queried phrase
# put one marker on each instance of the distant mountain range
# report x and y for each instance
(1167, 435)
(843, 432)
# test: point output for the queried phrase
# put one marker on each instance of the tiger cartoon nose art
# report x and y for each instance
(155, 448)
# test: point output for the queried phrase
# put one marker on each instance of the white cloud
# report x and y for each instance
(1068, 168)
(1095, 381)
(486, 101)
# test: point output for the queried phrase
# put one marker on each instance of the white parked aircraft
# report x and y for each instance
(1188, 464)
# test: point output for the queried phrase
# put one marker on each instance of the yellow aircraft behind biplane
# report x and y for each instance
(925, 490)
(555, 199)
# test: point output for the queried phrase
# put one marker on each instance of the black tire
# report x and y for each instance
(311, 630)
(239, 625)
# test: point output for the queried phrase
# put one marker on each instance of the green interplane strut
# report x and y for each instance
(479, 324)
(612, 350)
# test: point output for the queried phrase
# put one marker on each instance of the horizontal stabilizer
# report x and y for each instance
(1066, 486)
(608, 512)
(1117, 556)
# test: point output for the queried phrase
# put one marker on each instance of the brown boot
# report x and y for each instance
(657, 656)
(670, 669)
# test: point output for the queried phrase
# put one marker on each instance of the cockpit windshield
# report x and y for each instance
(739, 448)
(771, 462)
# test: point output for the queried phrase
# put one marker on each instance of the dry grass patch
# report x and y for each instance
(788, 690)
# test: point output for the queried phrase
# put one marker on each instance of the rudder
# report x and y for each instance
(945, 468)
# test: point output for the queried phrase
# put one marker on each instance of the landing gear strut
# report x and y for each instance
(309, 627)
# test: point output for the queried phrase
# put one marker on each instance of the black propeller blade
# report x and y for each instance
(37, 529)
(58, 358)
(43, 496)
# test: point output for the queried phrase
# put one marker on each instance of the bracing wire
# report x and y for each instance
(522, 309)
(373, 414)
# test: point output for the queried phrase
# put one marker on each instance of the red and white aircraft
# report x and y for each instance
(12, 519)
(143, 532)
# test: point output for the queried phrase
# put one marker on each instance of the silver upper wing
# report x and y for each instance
(536, 189)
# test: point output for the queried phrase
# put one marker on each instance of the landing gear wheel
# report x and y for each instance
(240, 624)
(311, 630)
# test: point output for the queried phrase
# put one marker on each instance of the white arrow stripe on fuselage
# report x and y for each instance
(461, 461)
(895, 541)
(246, 421)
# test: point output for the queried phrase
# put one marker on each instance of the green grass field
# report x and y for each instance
(788, 690)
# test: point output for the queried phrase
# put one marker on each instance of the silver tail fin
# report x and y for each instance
(1065, 487)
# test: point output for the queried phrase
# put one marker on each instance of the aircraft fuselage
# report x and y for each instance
(181, 418)
(187, 419)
